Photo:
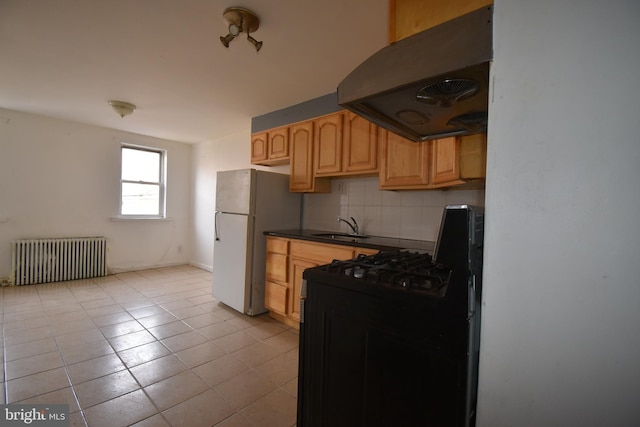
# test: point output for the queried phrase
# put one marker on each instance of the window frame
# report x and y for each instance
(162, 183)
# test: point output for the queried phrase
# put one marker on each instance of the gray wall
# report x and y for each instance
(305, 110)
(561, 307)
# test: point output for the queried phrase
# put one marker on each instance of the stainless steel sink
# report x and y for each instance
(340, 235)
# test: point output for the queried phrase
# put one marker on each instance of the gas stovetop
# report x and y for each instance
(401, 270)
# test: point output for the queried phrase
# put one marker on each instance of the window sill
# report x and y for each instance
(140, 218)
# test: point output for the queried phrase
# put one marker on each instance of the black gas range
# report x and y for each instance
(392, 339)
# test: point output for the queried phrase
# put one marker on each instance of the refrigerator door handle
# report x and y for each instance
(216, 233)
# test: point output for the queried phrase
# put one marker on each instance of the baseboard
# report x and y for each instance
(128, 269)
(206, 267)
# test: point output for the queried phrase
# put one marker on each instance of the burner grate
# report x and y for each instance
(405, 271)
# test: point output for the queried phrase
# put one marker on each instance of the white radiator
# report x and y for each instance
(54, 260)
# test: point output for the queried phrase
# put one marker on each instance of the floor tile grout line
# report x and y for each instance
(128, 369)
(66, 371)
(181, 318)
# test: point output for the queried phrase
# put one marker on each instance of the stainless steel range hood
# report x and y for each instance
(431, 85)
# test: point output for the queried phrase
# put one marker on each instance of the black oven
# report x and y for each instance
(392, 339)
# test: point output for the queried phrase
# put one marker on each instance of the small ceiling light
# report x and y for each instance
(241, 20)
(122, 108)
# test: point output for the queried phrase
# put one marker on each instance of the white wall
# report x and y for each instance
(561, 305)
(61, 179)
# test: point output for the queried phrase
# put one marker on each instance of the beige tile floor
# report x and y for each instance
(147, 348)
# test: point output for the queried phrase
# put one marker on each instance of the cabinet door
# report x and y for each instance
(403, 163)
(259, 151)
(277, 267)
(301, 140)
(328, 144)
(446, 160)
(473, 156)
(360, 145)
(408, 17)
(298, 266)
(279, 143)
(275, 297)
(459, 160)
(320, 253)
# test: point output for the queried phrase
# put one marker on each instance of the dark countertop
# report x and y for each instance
(373, 242)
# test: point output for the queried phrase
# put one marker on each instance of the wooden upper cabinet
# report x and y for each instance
(360, 142)
(328, 144)
(345, 144)
(301, 176)
(403, 163)
(259, 149)
(438, 163)
(301, 141)
(279, 144)
(445, 160)
(408, 17)
(270, 147)
(458, 160)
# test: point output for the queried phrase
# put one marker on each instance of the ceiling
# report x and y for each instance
(67, 58)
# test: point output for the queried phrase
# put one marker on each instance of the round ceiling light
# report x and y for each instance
(122, 108)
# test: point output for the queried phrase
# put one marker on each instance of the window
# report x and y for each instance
(142, 186)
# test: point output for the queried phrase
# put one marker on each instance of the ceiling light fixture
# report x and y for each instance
(122, 108)
(241, 20)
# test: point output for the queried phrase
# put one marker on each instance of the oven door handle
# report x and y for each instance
(471, 309)
(303, 297)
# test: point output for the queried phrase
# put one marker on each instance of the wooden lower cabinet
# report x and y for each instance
(276, 296)
(282, 297)
(277, 275)
(298, 266)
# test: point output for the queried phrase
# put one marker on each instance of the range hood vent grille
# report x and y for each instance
(433, 84)
(447, 92)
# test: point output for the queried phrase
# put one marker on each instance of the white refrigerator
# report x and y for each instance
(248, 202)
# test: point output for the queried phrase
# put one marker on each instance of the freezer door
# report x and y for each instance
(234, 191)
(231, 269)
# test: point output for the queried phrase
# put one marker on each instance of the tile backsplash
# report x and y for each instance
(404, 214)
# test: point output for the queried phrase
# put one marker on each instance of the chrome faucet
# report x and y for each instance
(354, 226)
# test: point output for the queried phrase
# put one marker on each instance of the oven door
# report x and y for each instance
(369, 361)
